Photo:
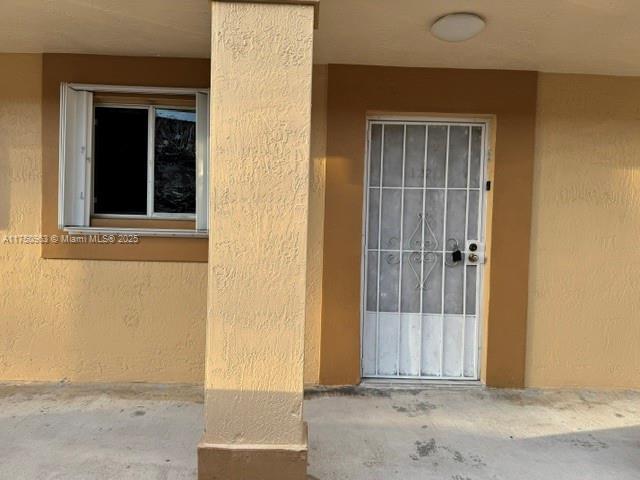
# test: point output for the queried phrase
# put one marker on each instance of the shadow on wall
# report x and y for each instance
(4, 187)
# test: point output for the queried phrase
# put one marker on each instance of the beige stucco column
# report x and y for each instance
(260, 133)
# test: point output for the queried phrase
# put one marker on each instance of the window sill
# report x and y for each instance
(141, 232)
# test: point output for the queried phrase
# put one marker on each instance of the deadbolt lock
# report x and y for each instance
(474, 252)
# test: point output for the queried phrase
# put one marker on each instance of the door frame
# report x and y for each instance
(484, 230)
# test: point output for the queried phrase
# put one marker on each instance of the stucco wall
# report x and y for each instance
(144, 321)
(315, 232)
(111, 70)
(103, 321)
(583, 327)
(81, 320)
(509, 97)
(260, 142)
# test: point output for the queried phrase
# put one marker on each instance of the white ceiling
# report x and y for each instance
(112, 27)
(581, 36)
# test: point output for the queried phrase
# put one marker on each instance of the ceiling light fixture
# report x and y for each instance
(458, 27)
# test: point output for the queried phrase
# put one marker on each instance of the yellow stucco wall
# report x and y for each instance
(102, 321)
(315, 233)
(583, 327)
(145, 321)
(257, 295)
(84, 321)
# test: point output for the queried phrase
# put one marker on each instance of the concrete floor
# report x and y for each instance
(127, 432)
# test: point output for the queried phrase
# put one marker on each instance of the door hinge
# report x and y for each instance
(488, 186)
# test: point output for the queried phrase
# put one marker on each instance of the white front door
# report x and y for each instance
(423, 249)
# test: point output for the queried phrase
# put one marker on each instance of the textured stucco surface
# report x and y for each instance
(317, 172)
(104, 321)
(82, 320)
(354, 92)
(583, 325)
(145, 321)
(260, 121)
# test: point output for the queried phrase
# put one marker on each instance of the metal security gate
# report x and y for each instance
(423, 249)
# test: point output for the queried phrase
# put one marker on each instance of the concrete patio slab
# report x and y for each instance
(474, 434)
(76, 432)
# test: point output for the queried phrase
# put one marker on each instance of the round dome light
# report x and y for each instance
(458, 27)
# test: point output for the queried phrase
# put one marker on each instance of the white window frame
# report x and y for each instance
(75, 192)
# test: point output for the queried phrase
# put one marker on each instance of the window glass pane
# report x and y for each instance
(175, 161)
(120, 160)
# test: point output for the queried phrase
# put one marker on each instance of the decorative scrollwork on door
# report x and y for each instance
(417, 258)
(430, 240)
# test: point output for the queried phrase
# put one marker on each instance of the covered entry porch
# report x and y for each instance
(268, 283)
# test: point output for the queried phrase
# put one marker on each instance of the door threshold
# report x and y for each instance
(391, 383)
(384, 387)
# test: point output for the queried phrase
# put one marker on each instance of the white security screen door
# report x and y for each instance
(423, 249)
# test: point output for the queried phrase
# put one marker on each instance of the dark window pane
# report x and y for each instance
(175, 161)
(120, 160)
